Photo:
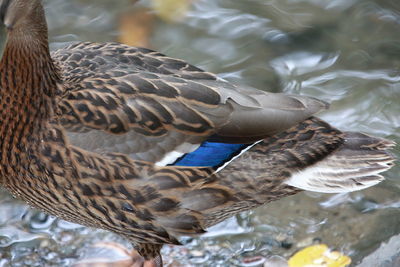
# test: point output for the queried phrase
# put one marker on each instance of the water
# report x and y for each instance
(344, 52)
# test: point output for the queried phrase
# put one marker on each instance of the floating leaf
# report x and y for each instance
(318, 256)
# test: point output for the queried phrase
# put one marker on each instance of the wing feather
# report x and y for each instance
(120, 91)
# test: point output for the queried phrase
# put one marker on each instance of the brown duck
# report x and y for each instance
(138, 143)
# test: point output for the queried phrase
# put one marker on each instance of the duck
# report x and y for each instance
(153, 148)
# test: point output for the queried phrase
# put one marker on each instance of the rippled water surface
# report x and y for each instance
(346, 52)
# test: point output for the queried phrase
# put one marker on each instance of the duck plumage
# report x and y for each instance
(162, 103)
(152, 148)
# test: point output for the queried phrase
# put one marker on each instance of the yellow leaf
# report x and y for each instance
(318, 256)
(171, 10)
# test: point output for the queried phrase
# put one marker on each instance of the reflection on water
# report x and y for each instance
(346, 52)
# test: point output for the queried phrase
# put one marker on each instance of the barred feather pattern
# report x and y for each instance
(132, 88)
(41, 98)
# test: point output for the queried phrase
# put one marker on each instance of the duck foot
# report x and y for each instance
(156, 262)
(109, 254)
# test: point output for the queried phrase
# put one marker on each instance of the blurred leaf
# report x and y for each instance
(171, 10)
(318, 256)
(135, 27)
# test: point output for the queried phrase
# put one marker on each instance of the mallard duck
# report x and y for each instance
(153, 148)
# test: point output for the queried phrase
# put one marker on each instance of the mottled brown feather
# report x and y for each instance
(116, 90)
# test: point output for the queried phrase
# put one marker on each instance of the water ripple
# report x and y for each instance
(300, 63)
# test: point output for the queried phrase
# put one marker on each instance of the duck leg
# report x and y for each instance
(150, 254)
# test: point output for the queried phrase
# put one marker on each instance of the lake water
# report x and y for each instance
(346, 52)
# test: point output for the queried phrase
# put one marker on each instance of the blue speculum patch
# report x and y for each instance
(211, 154)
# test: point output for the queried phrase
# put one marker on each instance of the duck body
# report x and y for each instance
(152, 148)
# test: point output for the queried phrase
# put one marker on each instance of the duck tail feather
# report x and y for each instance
(355, 165)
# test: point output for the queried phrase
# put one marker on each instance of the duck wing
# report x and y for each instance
(118, 98)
